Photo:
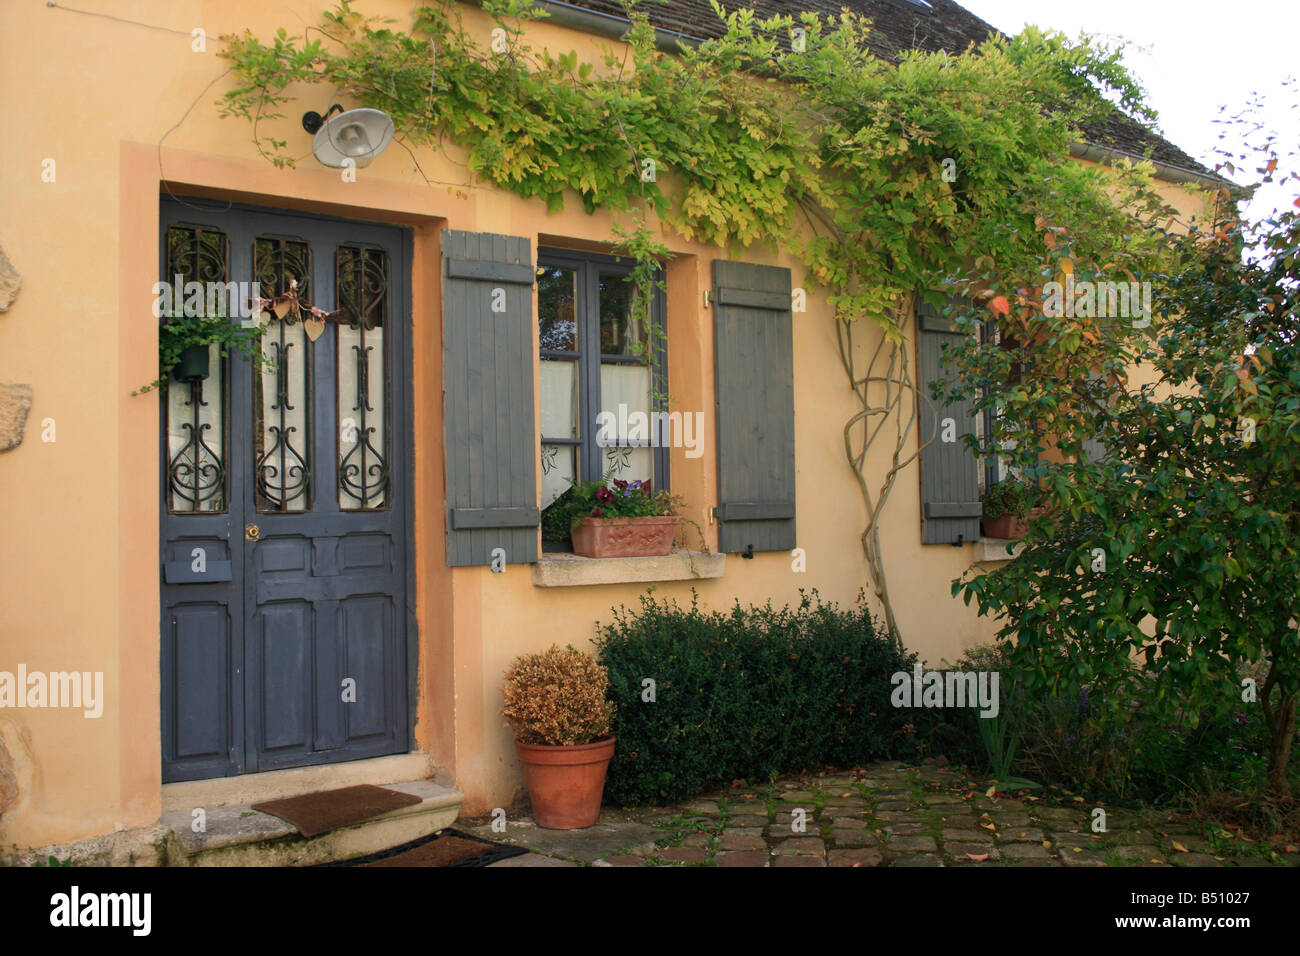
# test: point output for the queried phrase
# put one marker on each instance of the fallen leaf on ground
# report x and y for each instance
(1180, 848)
(978, 857)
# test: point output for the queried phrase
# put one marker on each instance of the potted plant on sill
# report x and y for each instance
(555, 702)
(619, 519)
(183, 347)
(1008, 506)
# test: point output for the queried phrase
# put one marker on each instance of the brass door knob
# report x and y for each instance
(252, 532)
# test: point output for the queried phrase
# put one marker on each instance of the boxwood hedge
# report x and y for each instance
(746, 694)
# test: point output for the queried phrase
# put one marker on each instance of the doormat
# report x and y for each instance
(326, 810)
(446, 848)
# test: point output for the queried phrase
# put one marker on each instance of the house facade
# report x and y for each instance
(316, 574)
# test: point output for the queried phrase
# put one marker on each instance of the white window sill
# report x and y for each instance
(571, 570)
(995, 550)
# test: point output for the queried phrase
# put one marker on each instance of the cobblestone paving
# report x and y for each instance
(896, 815)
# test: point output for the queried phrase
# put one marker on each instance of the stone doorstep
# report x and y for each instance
(238, 835)
(275, 784)
(143, 846)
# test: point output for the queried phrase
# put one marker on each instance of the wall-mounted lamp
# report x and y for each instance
(359, 135)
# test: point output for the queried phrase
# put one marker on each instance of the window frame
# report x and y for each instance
(589, 267)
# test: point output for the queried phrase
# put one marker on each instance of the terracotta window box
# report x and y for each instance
(1005, 526)
(624, 537)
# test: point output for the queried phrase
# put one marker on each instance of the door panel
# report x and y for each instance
(289, 646)
(201, 645)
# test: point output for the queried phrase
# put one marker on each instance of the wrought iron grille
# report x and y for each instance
(282, 472)
(363, 379)
(196, 464)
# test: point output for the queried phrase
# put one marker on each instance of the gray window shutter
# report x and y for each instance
(950, 499)
(754, 378)
(490, 438)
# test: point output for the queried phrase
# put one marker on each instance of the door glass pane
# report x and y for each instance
(282, 469)
(363, 378)
(557, 296)
(559, 394)
(196, 422)
(620, 334)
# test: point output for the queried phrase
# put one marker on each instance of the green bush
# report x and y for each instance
(747, 694)
(1009, 497)
(1112, 745)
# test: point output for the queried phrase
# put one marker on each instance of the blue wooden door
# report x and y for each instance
(285, 497)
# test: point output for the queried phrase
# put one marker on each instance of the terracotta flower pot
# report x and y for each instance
(624, 537)
(565, 784)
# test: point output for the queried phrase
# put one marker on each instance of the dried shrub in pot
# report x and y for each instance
(557, 698)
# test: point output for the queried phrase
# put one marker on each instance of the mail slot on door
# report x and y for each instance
(198, 570)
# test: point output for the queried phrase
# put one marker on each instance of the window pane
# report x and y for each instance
(628, 464)
(282, 470)
(627, 429)
(196, 428)
(619, 334)
(627, 386)
(363, 378)
(559, 393)
(557, 295)
(559, 465)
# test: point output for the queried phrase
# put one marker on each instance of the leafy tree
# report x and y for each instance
(1168, 562)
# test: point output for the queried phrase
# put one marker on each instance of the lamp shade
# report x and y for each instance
(359, 135)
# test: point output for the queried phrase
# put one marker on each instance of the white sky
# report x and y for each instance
(1193, 56)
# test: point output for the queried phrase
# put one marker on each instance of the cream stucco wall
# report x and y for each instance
(122, 109)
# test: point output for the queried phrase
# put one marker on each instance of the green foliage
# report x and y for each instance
(615, 498)
(855, 158)
(181, 332)
(748, 694)
(1108, 742)
(1009, 497)
(608, 498)
(1179, 549)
